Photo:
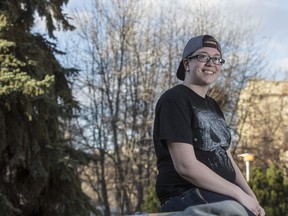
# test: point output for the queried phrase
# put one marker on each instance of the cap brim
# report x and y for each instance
(181, 71)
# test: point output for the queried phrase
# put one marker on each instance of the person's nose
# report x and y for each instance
(209, 62)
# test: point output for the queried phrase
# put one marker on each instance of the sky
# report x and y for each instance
(272, 14)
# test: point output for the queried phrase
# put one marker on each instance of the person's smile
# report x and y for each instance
(209, 72)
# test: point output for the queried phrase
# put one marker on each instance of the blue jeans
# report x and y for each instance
(194, 197)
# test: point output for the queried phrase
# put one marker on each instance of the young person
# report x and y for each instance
(192, 139)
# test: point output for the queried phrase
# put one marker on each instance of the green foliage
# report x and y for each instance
(271, 190)
(13, 79)
(22, 14)
(151, 202)
(7, 207)
(38, 167)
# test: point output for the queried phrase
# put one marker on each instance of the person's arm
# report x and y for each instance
(187, 165)
(240, 180)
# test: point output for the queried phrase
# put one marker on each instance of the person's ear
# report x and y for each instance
(186, 64)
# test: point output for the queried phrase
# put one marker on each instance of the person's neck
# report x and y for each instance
(200, 90)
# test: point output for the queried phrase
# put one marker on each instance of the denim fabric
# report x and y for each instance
(182, 201)
(223, 208)
(194, 197)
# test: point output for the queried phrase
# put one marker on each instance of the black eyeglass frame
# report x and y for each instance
(221, 60)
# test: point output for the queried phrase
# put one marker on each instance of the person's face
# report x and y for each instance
(202, 73)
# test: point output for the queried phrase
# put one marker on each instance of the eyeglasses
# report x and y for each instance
(206, 59)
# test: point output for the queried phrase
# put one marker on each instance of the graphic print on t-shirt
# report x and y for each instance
(214, 136)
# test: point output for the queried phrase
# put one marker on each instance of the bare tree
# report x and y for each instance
(262, 114)
(117, 115)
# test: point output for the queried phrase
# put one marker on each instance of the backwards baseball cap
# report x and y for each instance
(193, 45)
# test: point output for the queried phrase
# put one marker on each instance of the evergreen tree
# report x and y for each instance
(38, 167)
(271, 189)
(151, 203)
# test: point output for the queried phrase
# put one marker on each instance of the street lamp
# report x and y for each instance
(247, 157)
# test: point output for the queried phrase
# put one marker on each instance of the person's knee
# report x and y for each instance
(223, 208)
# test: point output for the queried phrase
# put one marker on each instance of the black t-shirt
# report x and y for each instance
(184, 116)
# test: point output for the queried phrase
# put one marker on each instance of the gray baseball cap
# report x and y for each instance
(193, 45)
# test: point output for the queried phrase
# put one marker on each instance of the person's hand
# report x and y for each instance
(252, 204)
(261, 212)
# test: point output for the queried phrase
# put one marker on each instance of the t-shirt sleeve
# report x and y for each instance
(175, 122)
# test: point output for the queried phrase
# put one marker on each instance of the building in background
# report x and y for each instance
(263, 122)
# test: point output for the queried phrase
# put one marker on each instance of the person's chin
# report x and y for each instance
(210, 80)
